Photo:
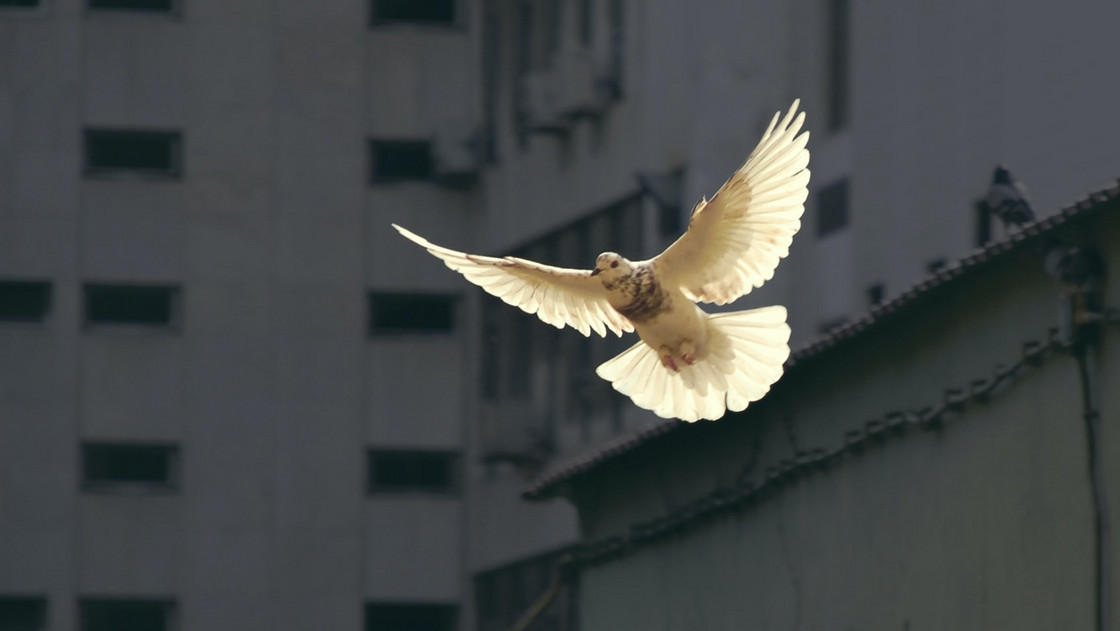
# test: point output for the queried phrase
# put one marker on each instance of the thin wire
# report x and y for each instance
(774, 479)
(541, 604)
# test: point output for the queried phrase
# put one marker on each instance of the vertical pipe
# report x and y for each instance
(1086, 366)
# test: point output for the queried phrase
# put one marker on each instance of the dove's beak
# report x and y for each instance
(595, 272)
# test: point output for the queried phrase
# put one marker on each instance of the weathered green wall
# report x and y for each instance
(985, 523)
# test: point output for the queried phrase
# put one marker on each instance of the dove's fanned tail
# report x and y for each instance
(746, 352)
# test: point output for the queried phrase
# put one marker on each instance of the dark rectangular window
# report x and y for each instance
(130, 304)
(553, 14)
(665, 189)
(502, 595)
(435, 12)
(491, 69)
(395, 160)
(522, 64)
(113, 464)
(24, 301)
(586, 22)
(23, 613)
(521, 329)
(875, 294)
(20, 4)
(617, 15)
(406, 471)
(669, 220)
(411, 313)
(410, 617)
(148, 152)
(838, 51)
(832, 208)
(493, 333)
(105, 614)
(155, 6)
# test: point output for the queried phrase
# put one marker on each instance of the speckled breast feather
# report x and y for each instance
(648, 299)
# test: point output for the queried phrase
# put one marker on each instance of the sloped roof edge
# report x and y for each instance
(546, 484)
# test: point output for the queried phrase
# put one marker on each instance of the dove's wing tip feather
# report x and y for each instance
(406, 232)
(413, 237)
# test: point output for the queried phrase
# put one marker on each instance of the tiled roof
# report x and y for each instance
(544, 485)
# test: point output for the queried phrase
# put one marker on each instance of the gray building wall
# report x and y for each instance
(268, 382)
(984, 522)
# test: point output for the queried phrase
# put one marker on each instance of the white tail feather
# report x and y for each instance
(746, 350)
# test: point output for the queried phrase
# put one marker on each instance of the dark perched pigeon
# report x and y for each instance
(1074, 267)
(689, 364)
(1007, 199)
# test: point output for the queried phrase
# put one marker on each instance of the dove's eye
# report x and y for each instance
(614, 264)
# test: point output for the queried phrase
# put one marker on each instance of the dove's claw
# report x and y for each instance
(688, 353)
(668, 362)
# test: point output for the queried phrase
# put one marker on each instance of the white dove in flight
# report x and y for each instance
(689, 364)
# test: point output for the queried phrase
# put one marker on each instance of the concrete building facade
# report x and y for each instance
(241, 447)
(219, 407)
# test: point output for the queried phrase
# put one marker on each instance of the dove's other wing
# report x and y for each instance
(734, 242)
(557, 295)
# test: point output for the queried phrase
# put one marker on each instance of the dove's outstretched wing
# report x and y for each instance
(734, 242)
(557, 295)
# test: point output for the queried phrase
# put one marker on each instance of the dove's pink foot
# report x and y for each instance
(668, 361)
(688, 353)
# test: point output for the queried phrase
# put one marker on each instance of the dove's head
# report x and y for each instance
(611, 267)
